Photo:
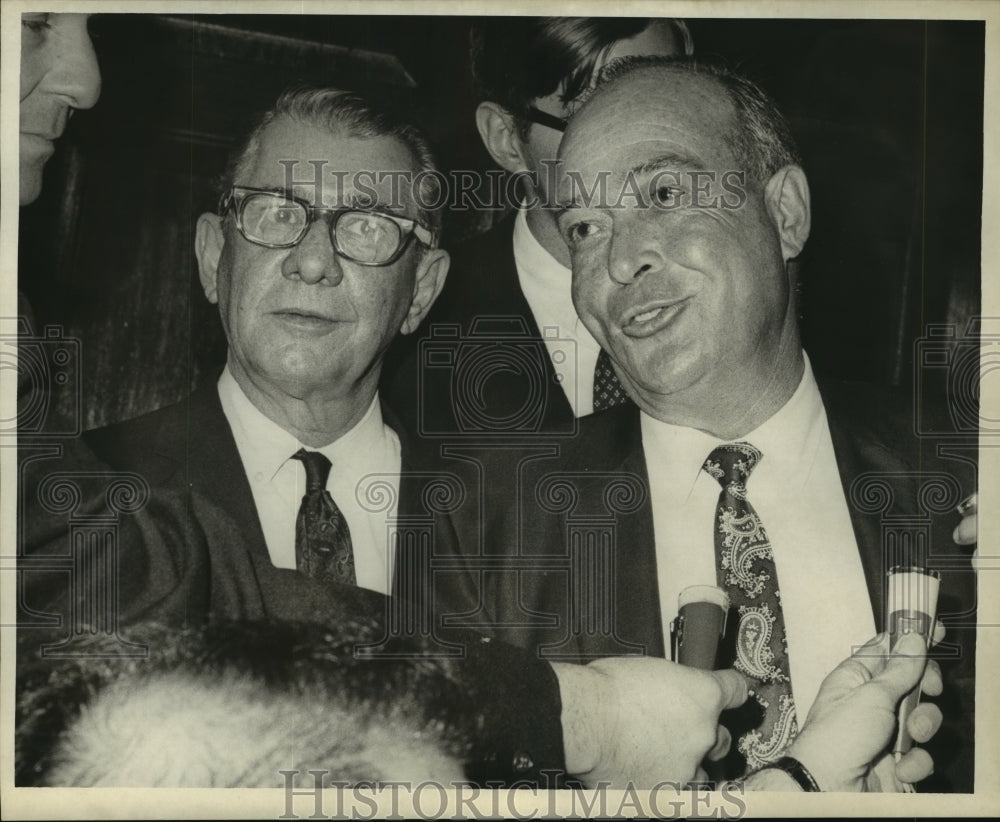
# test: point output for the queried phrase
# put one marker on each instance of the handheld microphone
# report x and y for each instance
(699, 626)
(913, 594)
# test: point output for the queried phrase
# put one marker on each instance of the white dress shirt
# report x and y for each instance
(368, 453)
(797, 493)
(547, 286)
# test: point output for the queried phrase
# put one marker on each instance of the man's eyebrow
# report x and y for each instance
(354, 200)
(669, 161)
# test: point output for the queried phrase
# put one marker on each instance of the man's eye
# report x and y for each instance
(286, 216)
(577, 233)
(367, 228)
(35, 24)
(667, 196)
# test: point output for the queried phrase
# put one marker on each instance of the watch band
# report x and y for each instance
(797, 771)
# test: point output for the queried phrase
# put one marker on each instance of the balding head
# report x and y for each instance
(755, 130)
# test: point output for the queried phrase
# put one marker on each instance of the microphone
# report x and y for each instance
(699, 626)
(913, 594)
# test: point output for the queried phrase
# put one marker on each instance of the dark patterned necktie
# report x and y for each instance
(322, 538)
(608, 391)
(746, 570)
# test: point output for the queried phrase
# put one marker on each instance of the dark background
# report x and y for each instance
(888, 115)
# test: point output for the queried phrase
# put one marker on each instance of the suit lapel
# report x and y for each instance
(201, 445)
(637, 607)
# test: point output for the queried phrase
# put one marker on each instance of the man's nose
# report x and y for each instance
(635, 250)
(75, 73)
(314, 260)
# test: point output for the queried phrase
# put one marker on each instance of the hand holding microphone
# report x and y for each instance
(696, 634)
(913, 595)
(700, 626)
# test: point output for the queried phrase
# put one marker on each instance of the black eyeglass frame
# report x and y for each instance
(233, 200)
(543, 118)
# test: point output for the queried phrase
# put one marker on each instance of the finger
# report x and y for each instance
(723, 740)
(862, 665)
(924, 721)
(939, 632)
(967, 531)
(915, 764)
(734, 688)
(969, 505)
(932, 684)
(905, 666)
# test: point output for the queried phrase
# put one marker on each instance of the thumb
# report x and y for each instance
(734, 688)
(905, 666)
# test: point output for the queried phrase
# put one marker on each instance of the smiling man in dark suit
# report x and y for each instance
(736, 467)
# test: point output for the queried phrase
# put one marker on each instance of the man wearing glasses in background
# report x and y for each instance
(515, 278)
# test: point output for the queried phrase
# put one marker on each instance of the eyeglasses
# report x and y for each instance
(277, 220)
(543, 118)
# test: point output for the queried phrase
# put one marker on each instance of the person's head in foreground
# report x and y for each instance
(233, 704)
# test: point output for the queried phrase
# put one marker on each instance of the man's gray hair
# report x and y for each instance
(761, 139)
(350, 114)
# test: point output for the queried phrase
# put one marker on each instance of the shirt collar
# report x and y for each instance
(530, 256)
(265, 446)
(784, 438)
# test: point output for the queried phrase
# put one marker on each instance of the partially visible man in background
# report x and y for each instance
(59, 75)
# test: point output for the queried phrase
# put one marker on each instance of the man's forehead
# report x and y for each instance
(334, 168)
(665, 106)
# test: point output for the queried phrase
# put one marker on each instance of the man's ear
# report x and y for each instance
(431, 271)
(787, 197)
(208, 242)
(499, 134)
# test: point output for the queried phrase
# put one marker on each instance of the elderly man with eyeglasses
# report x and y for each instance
(315, 265)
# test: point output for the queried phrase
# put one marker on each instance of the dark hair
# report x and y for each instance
(515, 60)
(296, 696)
(761, 140)
(352, 114)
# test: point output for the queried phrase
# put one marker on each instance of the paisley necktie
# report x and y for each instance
(746, 571)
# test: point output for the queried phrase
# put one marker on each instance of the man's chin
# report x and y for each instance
(30, 185)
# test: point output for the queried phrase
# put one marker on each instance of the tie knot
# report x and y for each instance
(317, 469)
(732, 462)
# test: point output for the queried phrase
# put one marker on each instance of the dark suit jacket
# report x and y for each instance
(480, 336)
(198, 552)
(588, 500)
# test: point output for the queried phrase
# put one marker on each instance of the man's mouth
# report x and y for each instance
(303, 318)
(39, 142)
(646, 320)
